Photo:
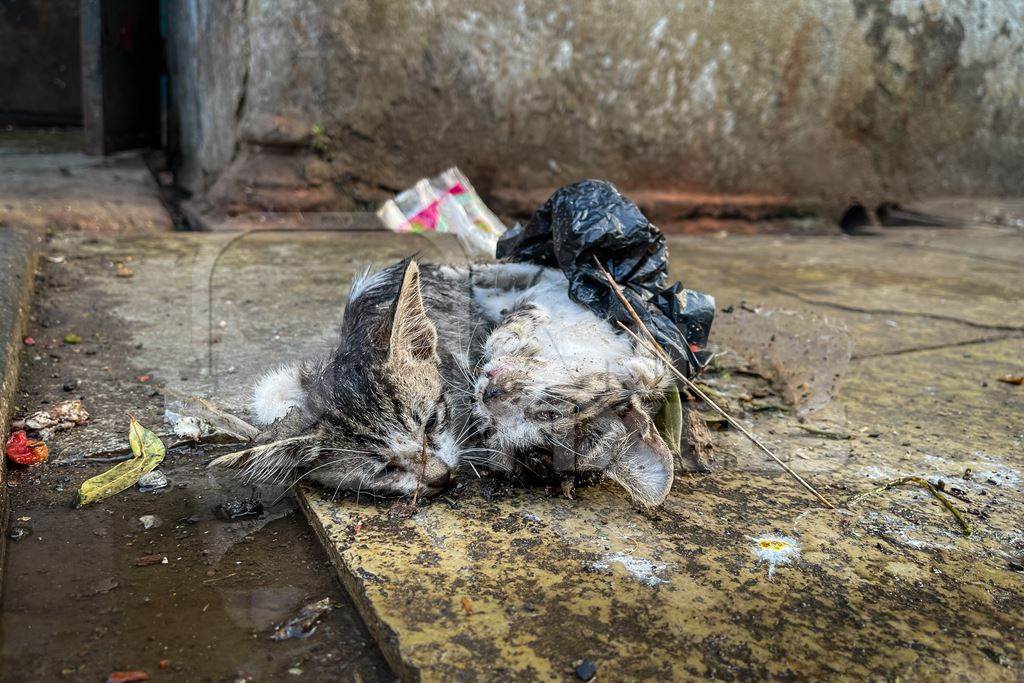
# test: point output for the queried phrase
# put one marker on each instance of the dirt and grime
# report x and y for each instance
(193, 597)
(891, 588)
(91, 590)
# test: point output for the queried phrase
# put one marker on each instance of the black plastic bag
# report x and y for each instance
(592, 219)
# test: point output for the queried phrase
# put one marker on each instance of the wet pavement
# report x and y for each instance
(75, 605)
(498, 581)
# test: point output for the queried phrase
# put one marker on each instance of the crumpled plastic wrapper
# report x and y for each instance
(592, 220)
(57, 417)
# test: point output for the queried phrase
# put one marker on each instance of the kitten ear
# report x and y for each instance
(412, 335)
(644, 467)
(272, 460)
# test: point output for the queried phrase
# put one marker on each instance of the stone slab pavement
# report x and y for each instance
(898, 340)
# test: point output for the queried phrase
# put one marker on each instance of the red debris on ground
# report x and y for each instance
(127, 676)
(24, 451)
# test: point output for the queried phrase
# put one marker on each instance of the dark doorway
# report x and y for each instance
(122, 64)
(40, 63)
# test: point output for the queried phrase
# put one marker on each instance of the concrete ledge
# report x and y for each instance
(17, 264)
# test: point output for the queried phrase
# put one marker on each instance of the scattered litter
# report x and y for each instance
(1012, 379)
(127, 676)
(212, 418)
(190, 428)
(239, 508)
(148, 452)
(19, 531)
(28, 341)
(295, 671)
(24, 451)
(775, 551)
(149, 560)
(149, 521)
(467, 606)
(925, 484)
(584, 669)
(165, 664)
(58, 258)
(303, 624)
(152, 481)
(60, 416)
(447, 203)
(72, 338)
(124, 271)
(144, 378)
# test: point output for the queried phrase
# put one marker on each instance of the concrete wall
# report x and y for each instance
(810, 98)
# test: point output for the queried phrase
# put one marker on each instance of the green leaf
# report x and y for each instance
(148, 452)
(669, 420)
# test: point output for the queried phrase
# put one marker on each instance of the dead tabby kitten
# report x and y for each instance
(378, 415)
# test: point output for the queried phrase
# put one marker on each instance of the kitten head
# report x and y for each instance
(627, 448)
(590, 421)
(373, 417)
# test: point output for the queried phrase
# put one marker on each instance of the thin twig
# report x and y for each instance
(923, 483)
(652, 344)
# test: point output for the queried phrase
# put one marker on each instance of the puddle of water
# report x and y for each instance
(76, 606)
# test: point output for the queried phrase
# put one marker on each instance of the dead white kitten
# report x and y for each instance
(555, 376)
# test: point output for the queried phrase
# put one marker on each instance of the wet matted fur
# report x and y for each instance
(394, 409)
(385, 412)
(555, 376)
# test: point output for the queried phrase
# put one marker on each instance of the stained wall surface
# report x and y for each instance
(296, 104)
